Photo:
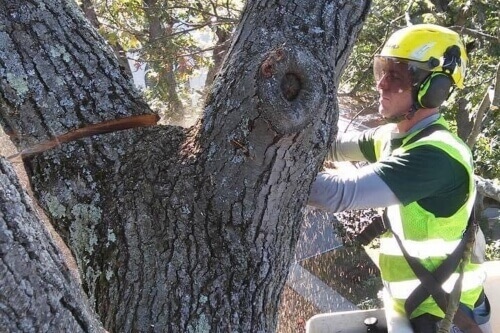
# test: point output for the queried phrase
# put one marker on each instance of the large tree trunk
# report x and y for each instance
(178, 230)
(38, 292)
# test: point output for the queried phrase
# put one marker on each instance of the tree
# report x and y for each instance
(162, 36)
(38, 292)
(173, 229)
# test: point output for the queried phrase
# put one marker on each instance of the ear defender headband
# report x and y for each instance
(436, 87)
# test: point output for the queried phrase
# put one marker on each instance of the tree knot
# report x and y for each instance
(290, 87)
(268, 66)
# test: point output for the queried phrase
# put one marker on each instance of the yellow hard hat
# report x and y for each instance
(429, 47)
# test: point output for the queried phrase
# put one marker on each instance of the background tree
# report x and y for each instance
(174, 229)
(171, 40)
(470, 109)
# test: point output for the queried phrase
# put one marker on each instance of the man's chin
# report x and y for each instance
(384, 113)
(390, 117)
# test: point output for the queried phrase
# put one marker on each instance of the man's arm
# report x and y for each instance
(428, 175)
(353, 146)
(359, 190)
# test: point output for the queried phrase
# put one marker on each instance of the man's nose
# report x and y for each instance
(383, 82)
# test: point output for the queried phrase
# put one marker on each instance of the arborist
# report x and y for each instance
(423, 175)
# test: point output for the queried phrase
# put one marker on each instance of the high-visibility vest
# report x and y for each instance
(425, 236)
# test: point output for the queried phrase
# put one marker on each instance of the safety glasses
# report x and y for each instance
(397, 75)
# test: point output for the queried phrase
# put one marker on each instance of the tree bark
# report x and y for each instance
(172, 229)
(38, 292)
(90, 14)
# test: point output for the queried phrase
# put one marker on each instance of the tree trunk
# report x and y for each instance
(488, 188)
(491, 97)
(219, 52)
(172, 229)
(37, 288)
(90, 14)
(160, 30)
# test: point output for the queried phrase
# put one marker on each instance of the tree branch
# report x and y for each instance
(476, 128)
(491, 96)
(494, 91)
(474, 33)
(488, 188)
(38, 289)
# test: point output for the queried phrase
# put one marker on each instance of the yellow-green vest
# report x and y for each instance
(424, 235)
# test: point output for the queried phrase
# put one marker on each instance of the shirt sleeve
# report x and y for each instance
(427, 175)
(353, 146)
(357, 189)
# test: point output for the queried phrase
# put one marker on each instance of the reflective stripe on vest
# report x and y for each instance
(418, 249)
(471, 280)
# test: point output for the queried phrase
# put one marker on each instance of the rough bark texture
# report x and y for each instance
(179, 230)
(89, 12)
(38, 292)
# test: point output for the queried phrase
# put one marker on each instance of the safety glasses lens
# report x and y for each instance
(393, 74)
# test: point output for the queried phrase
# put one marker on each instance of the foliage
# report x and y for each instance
(384, 18)
(493, 250)
(171, 40)
(487, 152)
(478, 24)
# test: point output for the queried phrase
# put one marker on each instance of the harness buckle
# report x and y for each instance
(374, 229)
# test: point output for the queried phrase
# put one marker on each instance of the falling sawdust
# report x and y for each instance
(294, 312)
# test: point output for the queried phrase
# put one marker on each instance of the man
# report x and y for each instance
(423, 174)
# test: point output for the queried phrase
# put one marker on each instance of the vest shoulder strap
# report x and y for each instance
(425, 132)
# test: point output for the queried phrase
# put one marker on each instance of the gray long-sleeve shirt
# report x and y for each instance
(358, 189)
(425, 174)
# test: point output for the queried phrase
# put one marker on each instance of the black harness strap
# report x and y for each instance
(437, 278)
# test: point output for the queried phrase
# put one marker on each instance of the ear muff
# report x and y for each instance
(434, 90)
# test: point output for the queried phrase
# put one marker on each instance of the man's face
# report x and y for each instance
(394, 83)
